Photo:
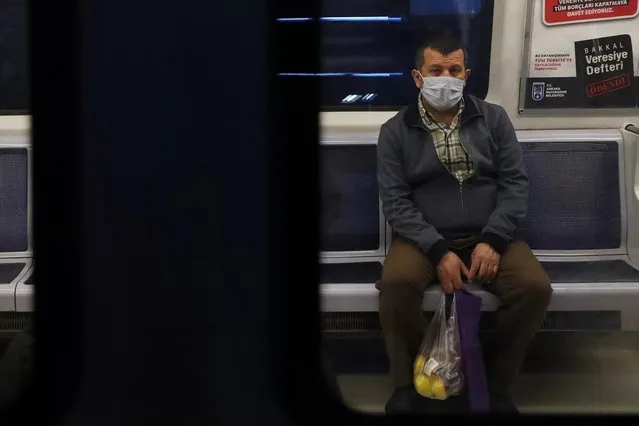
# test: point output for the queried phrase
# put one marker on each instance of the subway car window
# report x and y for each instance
(14, 75)
(553, 147)
(368, 47)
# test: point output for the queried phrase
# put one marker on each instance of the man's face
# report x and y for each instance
(438, 65)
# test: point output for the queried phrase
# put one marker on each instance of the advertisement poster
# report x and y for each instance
(583, 55)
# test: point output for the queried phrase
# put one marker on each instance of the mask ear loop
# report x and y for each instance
(421, 76)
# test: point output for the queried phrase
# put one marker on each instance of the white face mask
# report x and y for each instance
(443, 93)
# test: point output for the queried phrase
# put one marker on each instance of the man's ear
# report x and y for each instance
(467, 73)
(417, 79)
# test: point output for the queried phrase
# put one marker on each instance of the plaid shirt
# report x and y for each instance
(450, 150)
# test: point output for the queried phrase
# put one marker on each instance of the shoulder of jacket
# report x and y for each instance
(485, 106)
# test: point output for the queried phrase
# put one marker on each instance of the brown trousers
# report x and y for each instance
(521, 284)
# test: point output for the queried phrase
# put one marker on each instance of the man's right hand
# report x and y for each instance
(450, 270)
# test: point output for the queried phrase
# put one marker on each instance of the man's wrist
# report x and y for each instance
(497, 242)
(437, 251)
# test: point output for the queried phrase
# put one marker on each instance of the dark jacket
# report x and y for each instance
(424, 203)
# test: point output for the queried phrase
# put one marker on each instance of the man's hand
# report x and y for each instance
(485, 263)
(450, 270)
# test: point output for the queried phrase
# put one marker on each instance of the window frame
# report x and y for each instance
(490, 6)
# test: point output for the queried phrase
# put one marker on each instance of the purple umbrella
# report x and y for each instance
(468, 315)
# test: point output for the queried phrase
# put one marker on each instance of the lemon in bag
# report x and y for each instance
(420, 362)
(438, 389)
(423, 384)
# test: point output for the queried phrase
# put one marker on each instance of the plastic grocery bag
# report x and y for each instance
(438, 370)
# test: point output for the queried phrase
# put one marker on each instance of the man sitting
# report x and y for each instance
(453, 189)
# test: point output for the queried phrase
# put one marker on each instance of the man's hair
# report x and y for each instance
(444, 45)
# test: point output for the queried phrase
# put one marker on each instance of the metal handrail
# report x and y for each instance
(632, 128)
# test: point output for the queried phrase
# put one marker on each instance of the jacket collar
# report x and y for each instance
(413, 119)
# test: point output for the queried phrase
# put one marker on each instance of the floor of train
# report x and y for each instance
(583, 372)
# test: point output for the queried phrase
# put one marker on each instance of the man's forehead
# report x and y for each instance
(433, 56)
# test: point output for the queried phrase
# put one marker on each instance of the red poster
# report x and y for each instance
(557, 12)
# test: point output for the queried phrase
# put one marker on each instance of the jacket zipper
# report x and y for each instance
(462, 145)
(465, 150)
(461, 197)
(461, 182)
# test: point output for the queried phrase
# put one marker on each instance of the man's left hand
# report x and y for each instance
(485, 263)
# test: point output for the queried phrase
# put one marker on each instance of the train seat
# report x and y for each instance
(15, 237)
(581, 223)
(24, 290)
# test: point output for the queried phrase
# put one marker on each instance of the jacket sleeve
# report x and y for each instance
(512, 191)
(395, 193)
